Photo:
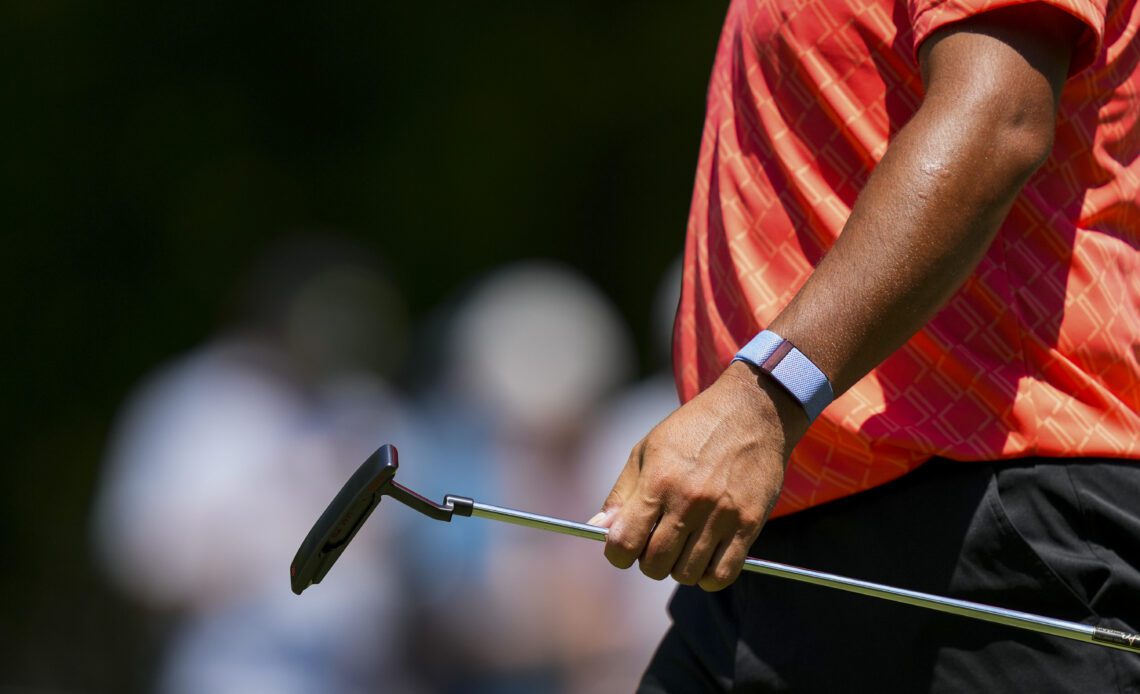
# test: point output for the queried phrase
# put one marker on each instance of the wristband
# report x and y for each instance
(789, 367)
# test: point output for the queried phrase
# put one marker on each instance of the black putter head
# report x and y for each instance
(338, 524)
(351, 507)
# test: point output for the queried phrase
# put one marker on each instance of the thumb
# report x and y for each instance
(624, 486)
(602, 519)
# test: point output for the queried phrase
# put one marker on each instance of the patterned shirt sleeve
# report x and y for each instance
(928, 16)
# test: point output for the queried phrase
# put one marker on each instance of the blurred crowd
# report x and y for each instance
(520, 391)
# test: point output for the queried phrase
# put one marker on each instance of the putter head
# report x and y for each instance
(339, 523)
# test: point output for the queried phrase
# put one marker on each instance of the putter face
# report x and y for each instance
(338, 524)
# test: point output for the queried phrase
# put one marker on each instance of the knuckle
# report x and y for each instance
(626, 546)
(682, 524)
(623, 545)
(722, 575)
(651, 445)
(749, 517)
(714, 583)
(659, 484)
(748, 528)
(685, 576)
(638, 449)
(719, 577)
(741, 523)
(620, 550)
(700, 498)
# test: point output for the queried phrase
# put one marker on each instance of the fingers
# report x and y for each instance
(697, 551)
(630, 531)
(666, 530)
(673, 528)
(629, 515)
(666, 542)
(694, 559)
(692, 496)
(725, 565)
(623, 487)
(602, 519)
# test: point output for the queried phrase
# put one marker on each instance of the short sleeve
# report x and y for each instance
(928, 16)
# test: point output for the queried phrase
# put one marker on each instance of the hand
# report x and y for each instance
(697, 489)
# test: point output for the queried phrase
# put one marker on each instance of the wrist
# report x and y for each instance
(765, 397)
(791, 369)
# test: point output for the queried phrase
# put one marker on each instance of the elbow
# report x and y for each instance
(999, 142)
(1021, 139)
(1018, 121)
(1002, 132)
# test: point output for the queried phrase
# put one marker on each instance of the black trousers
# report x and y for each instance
(1056, 538)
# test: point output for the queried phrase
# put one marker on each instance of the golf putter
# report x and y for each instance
(375, 479)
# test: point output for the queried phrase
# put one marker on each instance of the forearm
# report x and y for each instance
(696, 490)
(925, 218)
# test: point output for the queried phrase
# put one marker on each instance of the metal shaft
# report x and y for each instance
(1021, 620)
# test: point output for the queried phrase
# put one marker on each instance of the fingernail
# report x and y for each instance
(598, 518)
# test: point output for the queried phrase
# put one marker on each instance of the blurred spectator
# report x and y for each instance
(221, 461)
(224, 458)
(616, 428)
(530, 353)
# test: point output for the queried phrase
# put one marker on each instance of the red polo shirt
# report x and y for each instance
(1036, 355)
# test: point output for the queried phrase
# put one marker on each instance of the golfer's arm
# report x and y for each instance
(934, 203)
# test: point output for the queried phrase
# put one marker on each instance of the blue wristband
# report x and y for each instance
(789, 367)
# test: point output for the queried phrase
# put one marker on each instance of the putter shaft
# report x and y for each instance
(1021, 620)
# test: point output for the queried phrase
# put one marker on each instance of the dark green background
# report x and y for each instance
(151, 150)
